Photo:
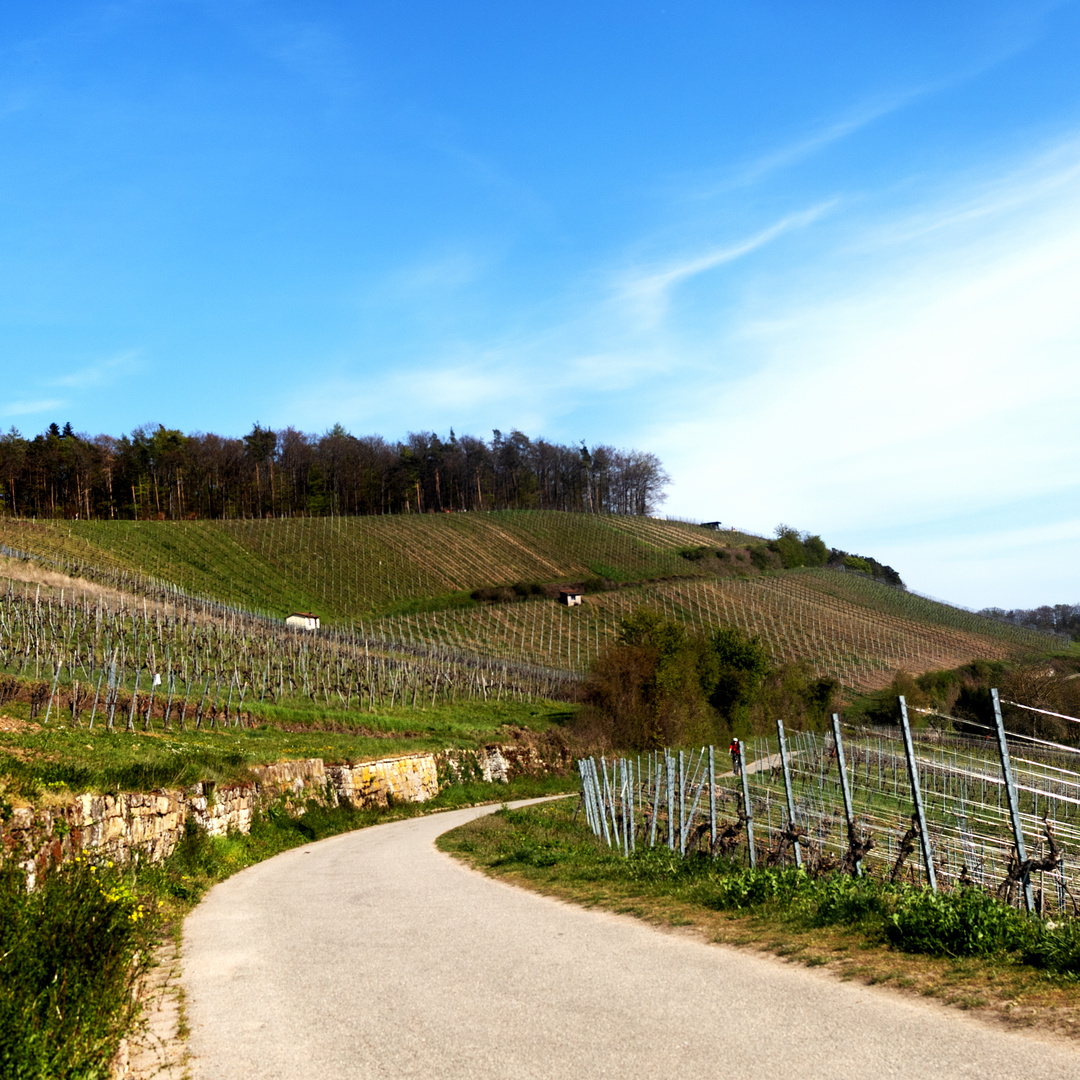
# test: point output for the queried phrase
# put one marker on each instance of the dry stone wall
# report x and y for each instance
(130, 825)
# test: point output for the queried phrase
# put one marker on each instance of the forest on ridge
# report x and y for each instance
(159, 473)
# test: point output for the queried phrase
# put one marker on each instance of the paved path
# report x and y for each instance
(374, 955)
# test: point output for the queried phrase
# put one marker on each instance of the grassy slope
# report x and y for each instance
(351, 567)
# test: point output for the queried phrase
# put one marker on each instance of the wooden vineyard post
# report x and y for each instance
(113, 695)
(916, 796)
(97, 692)
(848, 813)
(155, 680)
(202, 702)
(168, 701)
(787, 789)
(1010, 794)
(748, 809)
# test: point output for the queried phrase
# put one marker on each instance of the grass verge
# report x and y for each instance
(964, 949)
(59, 759)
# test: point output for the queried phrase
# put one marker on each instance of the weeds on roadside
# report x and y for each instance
(70, 953)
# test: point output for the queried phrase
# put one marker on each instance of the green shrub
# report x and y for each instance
(789, 546)
(854, 562)
(798, 549)
(964, 922)
(840, 900)
(741, 664)
(754, 887)
(817, 554)
(760, 557)
(526, 589)
(696, 554)
(598, 584)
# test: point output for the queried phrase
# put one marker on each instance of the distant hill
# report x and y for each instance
(411, 578)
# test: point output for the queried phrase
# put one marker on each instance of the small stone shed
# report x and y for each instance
(305, 620)
(571, 595)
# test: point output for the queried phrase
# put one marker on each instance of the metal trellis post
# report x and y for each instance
(787, 788)
(1010, 795)
(682, 799)
(848, 813)
(669, 766)
(916, 796)
(747, 808)
(712, 798)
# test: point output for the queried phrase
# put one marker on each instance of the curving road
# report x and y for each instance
(372, 954)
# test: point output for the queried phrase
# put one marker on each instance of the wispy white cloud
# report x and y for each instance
(832, 131)
(28, 408)
(1016, 34)
(646, 291)
(101, 372)
(1032, 186)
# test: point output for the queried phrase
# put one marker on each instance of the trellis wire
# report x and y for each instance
(963, 789)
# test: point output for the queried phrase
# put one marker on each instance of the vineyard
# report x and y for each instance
(162, 666)
(857, 630)
(398, 587)
(347, 568)
(692, 800)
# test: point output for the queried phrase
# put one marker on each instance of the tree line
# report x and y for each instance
(164, 474)
(1056, 618)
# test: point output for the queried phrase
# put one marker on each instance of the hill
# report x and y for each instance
(348, 568)
(408, 580)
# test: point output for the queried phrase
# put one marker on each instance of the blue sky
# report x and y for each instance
(822, 258)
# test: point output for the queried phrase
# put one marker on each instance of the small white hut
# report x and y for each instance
(571, 596)
(304, 620)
